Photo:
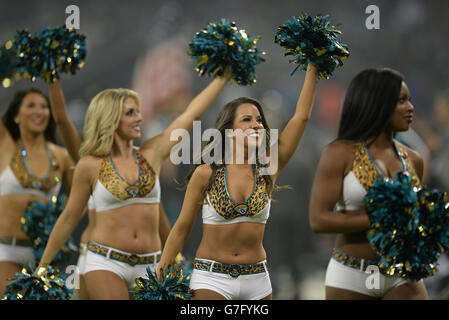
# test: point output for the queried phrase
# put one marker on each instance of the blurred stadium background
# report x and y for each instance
(142, 45)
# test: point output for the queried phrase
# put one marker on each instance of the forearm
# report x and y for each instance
(164, 226)
(305, 101)
(69, 134)
(63, 228)
(336, 222)
(205, 98)
(173, 245)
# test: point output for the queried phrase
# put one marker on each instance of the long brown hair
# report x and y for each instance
(13, 109)
(225, 120)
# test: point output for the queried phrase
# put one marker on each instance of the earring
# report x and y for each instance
(16, 121)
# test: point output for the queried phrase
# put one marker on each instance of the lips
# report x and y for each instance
(409, 119)
(38, 121)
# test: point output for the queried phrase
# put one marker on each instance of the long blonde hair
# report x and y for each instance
(102, 119)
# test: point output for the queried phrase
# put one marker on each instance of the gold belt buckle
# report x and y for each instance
(133, 260)
(234, 270)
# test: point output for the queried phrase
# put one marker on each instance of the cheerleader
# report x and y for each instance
(235, 199)
(32, 167)
(376, 106)
(123, 181)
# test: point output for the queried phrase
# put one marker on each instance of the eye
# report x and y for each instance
(129, 112)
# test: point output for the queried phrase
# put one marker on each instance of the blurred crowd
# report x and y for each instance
(142, 45)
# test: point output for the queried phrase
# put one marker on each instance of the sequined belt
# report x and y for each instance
(131, 259)
(83, 248)
(234, 270)
(15, 242)
(353, 262)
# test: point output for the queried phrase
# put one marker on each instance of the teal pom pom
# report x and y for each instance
(312, 41)
(174, 285)
(409, 226)
(48, 53)
(220, 46)
(37, 223)
(28, 286)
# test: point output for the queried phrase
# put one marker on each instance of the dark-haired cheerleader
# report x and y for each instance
(32, 167)
(235, 199)
(376, 106)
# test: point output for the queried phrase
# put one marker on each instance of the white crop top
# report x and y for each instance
(18, 179)
(362, 176)
(112, 191)
(220, 208)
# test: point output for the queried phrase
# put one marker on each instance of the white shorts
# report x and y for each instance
(244, 287)
(127, 272)
(82, 259)
(373, 284)
(18, 254)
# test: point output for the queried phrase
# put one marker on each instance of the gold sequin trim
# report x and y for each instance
(367, 174)
(26, 180)
(120, 188)
(227, 208)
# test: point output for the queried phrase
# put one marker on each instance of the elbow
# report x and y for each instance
(316, 225)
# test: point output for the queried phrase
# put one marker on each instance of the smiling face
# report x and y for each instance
(248, 123)
(402, 117)
(130, 121)
(33, 114)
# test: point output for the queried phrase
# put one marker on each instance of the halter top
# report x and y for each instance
(220, 208)
(363, 174)
(17, 178)
(112, 191)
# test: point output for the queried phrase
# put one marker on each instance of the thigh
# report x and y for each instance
(269, 297)
(82, 291)
(106, 285)
(408, 291)
(205, 294)
(343, 294)
(7, 273)
(211, 286)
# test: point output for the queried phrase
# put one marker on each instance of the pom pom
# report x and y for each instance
(409, 226)
(174, 285)
(37, 223)
(28, 286)
(8, 71)
(312, 41)
(220, 46)
(52, 51)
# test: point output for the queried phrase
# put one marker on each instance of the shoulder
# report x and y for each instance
(89, 164)
(202, 173)
(61, 154)
(341, 146)
(339, 155)
(57, 150)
